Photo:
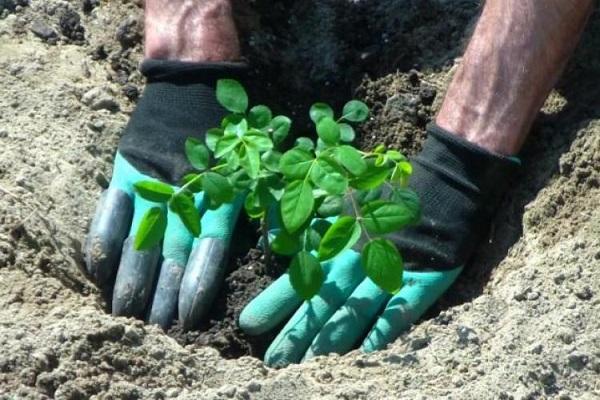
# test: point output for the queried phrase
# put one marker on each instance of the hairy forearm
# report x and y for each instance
(190, 30)
(515, 56)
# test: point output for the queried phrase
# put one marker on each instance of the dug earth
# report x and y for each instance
(521, 323)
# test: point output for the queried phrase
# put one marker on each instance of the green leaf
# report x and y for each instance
(319, 111)
(364, 196)
(238, 129)
(271, 159)
(321, 146)
(231, 119)
(383, 264)
(212, 136)
(279, 128)
(196, 186)
(252, 206)
(197, 153)
(379, 149)
(380, 160)
(217, 187)
(410, 200)
(155, 191)
(232, 160)
(286, 244)
(306, 275)
(328, 130)
(232, 96)
(381, 216)
(305, 143)
(251, 162)
(327, 175)
(273, 184)
(331, 206)
(151, 229)
(355, 111)
(297, 205)
(402, 173)
(343, 234)
(185, 208)
(226, 144)
(259, 116)
(395, 155)
(351, 159)
(259, 140)
(315, 233)
(295, 163)
(240, 180)
(347, 133)
(373, 177)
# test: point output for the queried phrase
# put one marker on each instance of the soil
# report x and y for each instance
(247, 278)
(520, 323)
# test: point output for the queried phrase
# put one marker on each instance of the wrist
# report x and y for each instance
(193, 31)
(501, 136)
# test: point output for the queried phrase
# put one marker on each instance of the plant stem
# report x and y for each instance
(215, 168)
(358, 216)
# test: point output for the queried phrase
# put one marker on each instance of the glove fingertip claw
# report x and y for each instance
(108, 230)
(164, 304)
(134, 281)
(201, 281)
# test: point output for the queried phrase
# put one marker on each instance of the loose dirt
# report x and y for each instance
(521, 323)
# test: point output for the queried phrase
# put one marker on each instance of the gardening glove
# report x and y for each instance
(184, 272)
(459, 185)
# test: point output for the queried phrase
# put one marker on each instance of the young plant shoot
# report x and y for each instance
(314, 200)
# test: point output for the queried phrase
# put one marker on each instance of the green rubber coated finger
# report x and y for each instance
(420, 291)
(343, 275)
(271, 307)
(176, 248)
(220, 223)
(349, 325)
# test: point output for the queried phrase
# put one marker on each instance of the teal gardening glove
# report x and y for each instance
(459, 185)
(183, 273)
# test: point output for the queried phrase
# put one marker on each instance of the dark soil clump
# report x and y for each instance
(220, 330)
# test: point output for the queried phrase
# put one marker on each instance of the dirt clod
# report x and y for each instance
(44, 31)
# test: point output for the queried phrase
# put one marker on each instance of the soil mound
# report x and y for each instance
(521, 323)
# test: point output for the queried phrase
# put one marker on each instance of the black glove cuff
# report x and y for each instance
(179, 101)
(460, 186)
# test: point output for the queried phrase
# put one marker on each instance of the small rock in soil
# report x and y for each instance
(466, 336)
(131, 92)
(99, 53)
(70, 26)
(537, 348)
(413, 77)
(88, 5)
(427, 95)
(99, 99)
(584, 293)
(567, 336)
(577, 360)
(419, 343)
(128, 33)
(44, 31)
(533, 296)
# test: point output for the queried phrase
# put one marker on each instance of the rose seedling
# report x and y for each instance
(313, 201)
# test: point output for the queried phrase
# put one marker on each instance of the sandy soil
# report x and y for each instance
(521, 323)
